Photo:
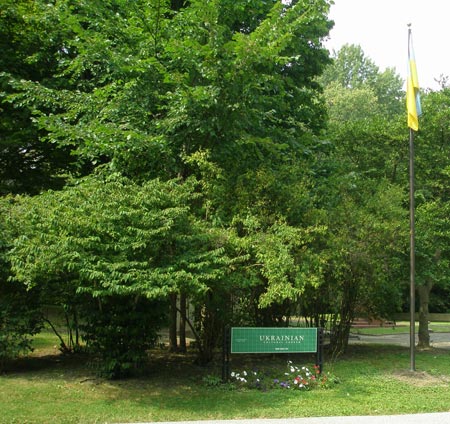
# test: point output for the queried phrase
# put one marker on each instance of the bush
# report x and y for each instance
(20, 319)
(119, 331)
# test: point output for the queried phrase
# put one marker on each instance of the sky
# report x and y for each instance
(380, 27)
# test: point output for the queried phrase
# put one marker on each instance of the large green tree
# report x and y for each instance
(367, 127)
(223, 90)
(432, 199)
(361, 195)
(139, 79)
(353, 70)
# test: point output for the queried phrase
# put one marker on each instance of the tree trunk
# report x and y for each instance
(183, 309)
(424, 299)
(209, 330)
(173, 344)
(342, 326)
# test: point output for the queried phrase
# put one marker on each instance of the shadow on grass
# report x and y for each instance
(170, 369)
(47, 364)
(171, 387)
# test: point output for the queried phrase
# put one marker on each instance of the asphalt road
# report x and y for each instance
(438, 340)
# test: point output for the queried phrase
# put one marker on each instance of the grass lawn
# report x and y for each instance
(373, 379)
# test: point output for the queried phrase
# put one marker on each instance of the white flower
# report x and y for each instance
(233, 374)
(292, 369)
(244, 373)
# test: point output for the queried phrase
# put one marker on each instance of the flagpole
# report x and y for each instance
(414, 110)
(412, 321)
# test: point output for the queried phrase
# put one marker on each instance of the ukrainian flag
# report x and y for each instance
(412, 89)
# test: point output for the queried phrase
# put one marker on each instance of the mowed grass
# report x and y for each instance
(373, 380)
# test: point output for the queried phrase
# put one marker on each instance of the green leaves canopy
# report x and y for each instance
(140, 79)
(109, 236)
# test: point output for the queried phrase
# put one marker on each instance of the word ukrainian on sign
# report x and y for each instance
(273, 340)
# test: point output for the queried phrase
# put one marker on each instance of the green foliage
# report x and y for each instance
(20, 316)
(212, 381)
(119, 331)
(111, 236)
(432, 152)
(432, 197)
(357, 74)
(370, 148)
(139, 80)
(363, 196)
(356, 104)
(105, 239)
(362, 254)
(203, 120)
(288, 262)
(30, 52)
(432, 229)
(20, 319)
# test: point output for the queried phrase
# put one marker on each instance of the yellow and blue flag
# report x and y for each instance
(413, 105)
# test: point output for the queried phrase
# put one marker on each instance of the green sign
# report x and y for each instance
(273, 340)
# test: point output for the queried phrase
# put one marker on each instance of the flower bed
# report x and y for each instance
(294, 378)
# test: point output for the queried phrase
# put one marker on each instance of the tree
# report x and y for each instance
(146, 88)
(353, 70)
(356, 104)
(362, 196)
(432, 197)
(366, 253)
(432, 258)
(226, 74)
(366, 116)
(111, 243)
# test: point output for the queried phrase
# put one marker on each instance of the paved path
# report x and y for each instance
(438, 340)
(435, 418)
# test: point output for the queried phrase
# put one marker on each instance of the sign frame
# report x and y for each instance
(273, 340)
(241, 340)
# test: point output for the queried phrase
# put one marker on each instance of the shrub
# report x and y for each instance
(119, 333)
(20, 319)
